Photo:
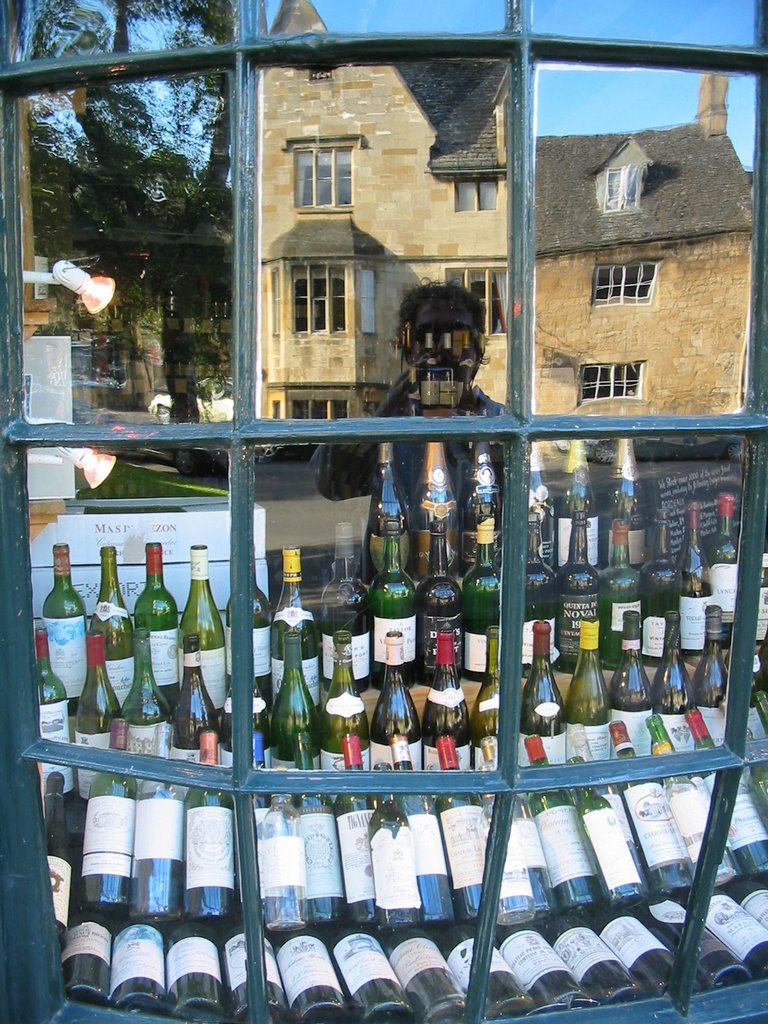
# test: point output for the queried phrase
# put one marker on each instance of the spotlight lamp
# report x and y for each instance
(95, 292)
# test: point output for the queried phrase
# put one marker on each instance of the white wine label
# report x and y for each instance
(714, 719)
(304, 963)
(667, 911)
(361, 959)
(380, 753)
(528, 641)
(489, 704)
(283, 863)
(356, 855)
(617, 804)
(610, 846)
(141, 739)
(530, 957)
(198, 562)
(756, 904)
(428, 846)
(564, 539)
(191, 659)
(657, 833)
(85, 777)
(310, 669)
(192, 955)
(636, 547)
(106, 610)
(678, 731)
(164, 651)
(450, 697)
(261, 650)
(361, 655)
(66, 645)
(746, 824)
(432, 761)
(639, 736)
(120, 675)
(88, 939)
(737, 929)
(723, 577)
(137, 953)
(347, 705)
(235, 961)
(60, 872)
(554, 748)
(653, 636)
(581, 950)
(213, 668)
(258, 705)
(563, 845)
(515, 881)
(270, 965)
(394, 869)
(598, 736)
(525, 835)
(762, 614)
(321, 853)
(460, 962)
(693, 622)
(210, 847)
(182, 754)
(617, 613)
(690, 810)
(109, 825)
(754, 725)
(406, 626)
(333, 762)
(54, 725)
(106, 863)
(475, 652)
(159, 829)
(414, 956)
(465, 844)
(629, 939)
(293, 616)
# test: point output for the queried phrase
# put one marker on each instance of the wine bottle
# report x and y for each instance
(353, 813)
(283, 867)
(137, 980)
(201, 618)
(752, 896)
(193, 974)
(157, 875)
(671, 689)
(593, 964)
(434, 498)
(660, 584)
(59, 851)
(629, 691)
(194, 709)
(542, 711)
(484, 717)
(445, 710)
(344, 605)
(260, 726)
(695, 589)
(525, 836)
(97, 707)
(578, 588)
(540, 591)
(516, 900)
(747, 833)
(261, 634)
(393, 858)
(375, 994)
(387, 502)
(744, 936)
(294, 710)
(394, 713)
(110, 822)
(429, 984)
(587, 701)
(145, 706)
(643, 954)
(626, 499)
(481, 592)
(111, 619)
(64, 621)
(312, 987)
(344, 711)
(86, 959)
(505, 997)
(209, 882)
(540, 504)
(710, 679)
(235, 968)
(392, 601)
(156, 611)
(52, 707)
(723, 556)
(541, 972)
(480, 501)
(573, 873)
(578, 497)
(438, 607)
(619, 593)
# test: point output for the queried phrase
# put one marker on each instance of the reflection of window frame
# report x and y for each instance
(367, 301)
(621, 188)
(275, 278)
(625, 284)
(615, 380)
(319, 408)
(323, 299)
(323, 177)
(494, 292)
(474, 195)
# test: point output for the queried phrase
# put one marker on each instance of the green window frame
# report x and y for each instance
(31, 988)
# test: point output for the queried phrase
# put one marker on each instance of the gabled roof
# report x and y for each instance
(333, 237)
(296, 18)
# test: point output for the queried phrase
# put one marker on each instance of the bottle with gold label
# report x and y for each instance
(587, 702)
(435, 499)
(201, 618)
(482, 593)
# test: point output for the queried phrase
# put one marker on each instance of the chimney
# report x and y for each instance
(712, 115)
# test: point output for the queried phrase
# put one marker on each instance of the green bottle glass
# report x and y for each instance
(194, 712)
(540, 590)
(461, 820)
(52, 707)
(542, 711)
(344, 605)
(260, 728)
(392, 602)
(438, 606)
(484, 717)
(97, 707)
(445, 710)
(710, 679)
(145, 704)
(723, 554)
(387, 502)
(481, 591)
(619, 593)
(660, 583)
(394, 713)
(294, 710)
(344, 711)
(629, 690)
(156, 611)
(671, 689)
(64, 620)
(695, 589)
(578, 497)
(111, 619)
(587, 701)
(262, 628)
(578, 588)
(290, 613)
(201, 618)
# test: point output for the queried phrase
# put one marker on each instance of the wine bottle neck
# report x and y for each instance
(438, 554)
(578, 549)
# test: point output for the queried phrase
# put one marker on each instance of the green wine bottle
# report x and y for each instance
(395, 713)
(710, 679)
(344, 711)
(97, 707)
(618, 594)
(145, 704)
(578, 588)
(481, 594)
(294, 710)
(540, 590)
(194, 711)
(260, 728)
(262, 628)
(695, 588)
(156, 610)
(484, 717)
(111, 619)
(52, 703)
(723, 555)
(660, 583)
(438, 606)
(542, 711)
(587, 701)
(64, 620)
(290, 613)
(387, 502)
(201, 618)
(629, 690)
(392, 602)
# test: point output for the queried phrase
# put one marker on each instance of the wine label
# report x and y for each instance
(528, 641)
(88, 939)
(451, 697)
(429, 626)
(639, 736)
(629, 940)
(381, 753)
(668, 912)
(66, 646)
(182, 754)
(106, 863)
(85, 777)
(106, 610)
(310, 668)
(258, 705)
(333, 762)
(407, 626)
(653, 636)
(735, 928)
(525, 835)
(762, 614)
(693, 619)
(164, 651)
(192, 955)
(282, 863)
(564, 526)
(159, 831)
(210, 847)
(120, 675)
(109, 828)
(573, 609)
(530, 957)
(293, 616)
(141, 739)
(54, 726)
(746, 825)
(262, 657)
(235, 961)
(60, 872)
(413, 957)
(432, 761)
(554, 746)
(617, 613)
(475, 652)
(361, 655)
(756, 904)
(714, 719)
(723, 578)
(137, 953)
(599, 739)
(581, 950)
(356, 855)
(460, 962)
(465, 844)
(427, 844)
(563, 845)
(610, 847)
(361, 959)
(617, 805)
(636, 546)
(678, 730)
(515, 882)
(656, 831)
(213, 668)
(321, 854)
(394, 869)
(492, 703)
(304, 964)
(346, 705)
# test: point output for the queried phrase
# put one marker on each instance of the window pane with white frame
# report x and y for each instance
(324, 177)
(611, 380)
(629, 284)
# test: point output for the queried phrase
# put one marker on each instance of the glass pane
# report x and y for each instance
(51, 29)
(643, 239)
(404, 342)
(342, 16)
(131, 183)
(716, 22)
